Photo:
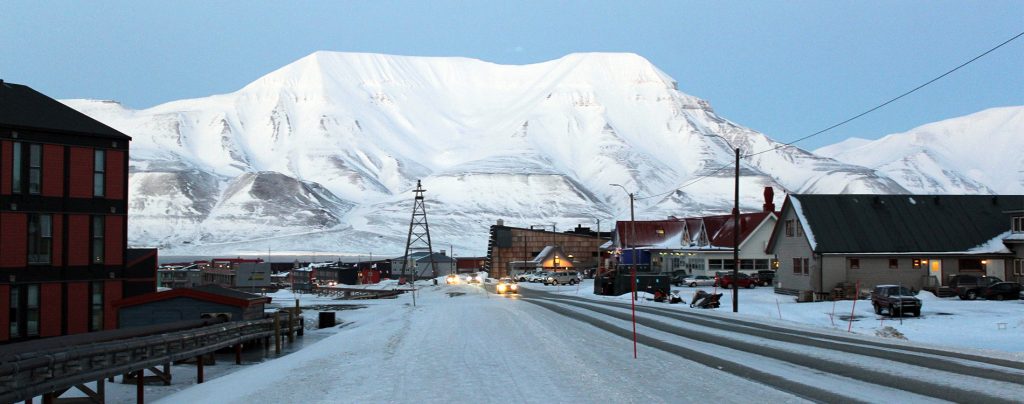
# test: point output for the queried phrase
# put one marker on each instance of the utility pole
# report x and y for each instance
(632, 272)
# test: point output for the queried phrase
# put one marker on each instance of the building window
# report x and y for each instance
(96, 307)
(1018, 267)
(790, 232)
(24, 311)
(35, 168)
(807, 267)
(1018, 224)
(32, 310)
(16, 174)
(40, 238)
(97, 239)
(15, 304)
(98, 169)
(798, 266)
(854, 263)
(894, 263)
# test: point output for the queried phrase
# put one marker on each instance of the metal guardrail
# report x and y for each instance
(30, 374)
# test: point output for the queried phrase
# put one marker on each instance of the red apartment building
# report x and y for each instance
(63, 220)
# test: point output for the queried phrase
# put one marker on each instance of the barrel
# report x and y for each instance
(326, 319)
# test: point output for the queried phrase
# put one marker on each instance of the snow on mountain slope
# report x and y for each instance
(965, 155)
(341, 138)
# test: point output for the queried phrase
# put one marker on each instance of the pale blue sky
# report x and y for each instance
(787, 69)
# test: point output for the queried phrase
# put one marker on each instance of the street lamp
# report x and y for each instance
(736, 229)
(632, 272)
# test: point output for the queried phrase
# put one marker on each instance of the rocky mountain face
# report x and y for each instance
(322, 154)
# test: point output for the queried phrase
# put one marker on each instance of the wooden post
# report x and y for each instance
(48, 398)
(238, 354)
(167, 372)
(291, 338)
(101, 390)
(277, 332)
(199, 369)
(140, 389)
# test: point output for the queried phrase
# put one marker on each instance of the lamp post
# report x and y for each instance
(736, 230)
(632, 272)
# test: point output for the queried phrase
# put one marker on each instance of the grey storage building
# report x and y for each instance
(189, 304)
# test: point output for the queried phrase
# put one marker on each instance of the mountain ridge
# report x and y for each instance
(530, 144)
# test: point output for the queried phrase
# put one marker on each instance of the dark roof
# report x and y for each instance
(21, 107)
(212, 293)
(232, 293)
(904, 223)
(647, 231)
(134, 255)
(725, 234)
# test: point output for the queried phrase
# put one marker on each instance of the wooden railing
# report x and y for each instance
(47, 367)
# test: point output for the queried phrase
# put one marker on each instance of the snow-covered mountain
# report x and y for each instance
(322, 154)
(974, 154)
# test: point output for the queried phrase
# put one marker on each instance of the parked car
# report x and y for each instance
(524, 277)
(743, 281)
(567, 277)
(506, 285)
(1000, 291)
(764, 278)
(968, 286)
(696, 280)
(895, 299)
(537, 277)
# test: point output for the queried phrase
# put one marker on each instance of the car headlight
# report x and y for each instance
(501, 288)
(514, 287)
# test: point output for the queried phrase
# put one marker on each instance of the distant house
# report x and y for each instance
(699, 245)
(424, 265)
(509, 247)
(174, 277)
(1015, 240)
(551, 258)
(916, 240)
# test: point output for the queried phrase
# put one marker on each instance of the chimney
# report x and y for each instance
(501, 222)
(769, 197)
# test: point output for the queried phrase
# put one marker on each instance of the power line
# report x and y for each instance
(890, 101)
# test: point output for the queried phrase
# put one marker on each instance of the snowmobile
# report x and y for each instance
(705, 300)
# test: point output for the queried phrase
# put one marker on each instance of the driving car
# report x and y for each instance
(452, 279)
(896, 300)
(567, 277)
(697, 280)
(506, 285)
(474, 278)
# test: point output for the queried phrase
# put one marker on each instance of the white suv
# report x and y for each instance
(568, 277)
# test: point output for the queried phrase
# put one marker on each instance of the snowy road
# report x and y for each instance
(819, 366)
(460, 344)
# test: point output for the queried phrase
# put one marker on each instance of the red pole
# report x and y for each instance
(633, 306)
(854, 309)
